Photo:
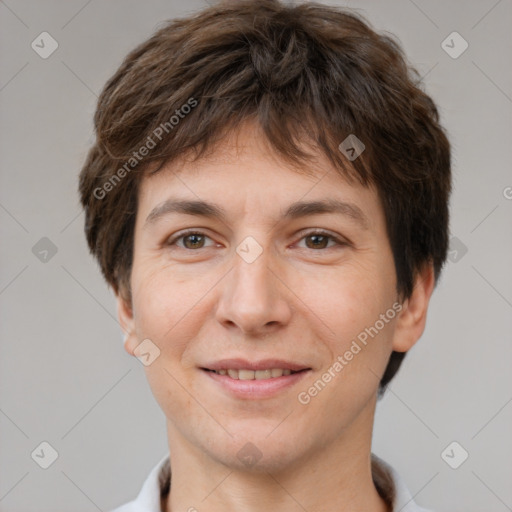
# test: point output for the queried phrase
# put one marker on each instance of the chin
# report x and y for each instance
(255, 450)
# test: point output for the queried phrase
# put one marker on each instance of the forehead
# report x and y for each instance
(243, 174)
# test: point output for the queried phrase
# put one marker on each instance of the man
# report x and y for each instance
(268, 197)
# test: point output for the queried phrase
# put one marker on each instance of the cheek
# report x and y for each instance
(164, 313)
(360, 337)
(170, 309)
(350, 302)
(160, 307)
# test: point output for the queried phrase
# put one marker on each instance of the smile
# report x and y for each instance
(246, 384)
(244, 374)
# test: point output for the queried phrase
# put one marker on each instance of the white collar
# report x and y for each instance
(148, 499)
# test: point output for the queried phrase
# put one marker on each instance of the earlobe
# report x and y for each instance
(411, 321)
(125, 316)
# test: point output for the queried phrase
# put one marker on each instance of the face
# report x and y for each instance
(276, 295)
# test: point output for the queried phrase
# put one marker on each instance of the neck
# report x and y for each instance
(334, 476)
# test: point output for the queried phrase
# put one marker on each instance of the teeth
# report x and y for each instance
(254, 374)
(262, 374)
(245, 374)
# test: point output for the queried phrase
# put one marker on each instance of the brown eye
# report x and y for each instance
(317, 241)
(191, 240)
(320, 239)
(196, 241)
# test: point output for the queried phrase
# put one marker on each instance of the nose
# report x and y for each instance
(254, 299)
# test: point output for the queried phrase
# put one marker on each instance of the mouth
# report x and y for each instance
(264, 379)
(246, 374)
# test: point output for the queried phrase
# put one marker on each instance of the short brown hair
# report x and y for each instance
(305, 73)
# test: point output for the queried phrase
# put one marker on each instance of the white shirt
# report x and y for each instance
(387, 480)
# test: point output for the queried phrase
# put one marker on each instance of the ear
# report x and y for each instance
(413, 316)
(125, 316)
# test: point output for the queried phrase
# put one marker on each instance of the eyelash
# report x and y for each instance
(318, 232)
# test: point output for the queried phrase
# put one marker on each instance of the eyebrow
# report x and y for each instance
(294, 211)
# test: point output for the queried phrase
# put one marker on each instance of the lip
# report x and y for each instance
(264, 364)
(255, 389)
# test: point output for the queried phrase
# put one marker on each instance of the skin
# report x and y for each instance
(303, 299)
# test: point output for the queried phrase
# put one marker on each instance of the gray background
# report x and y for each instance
(64, 375)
